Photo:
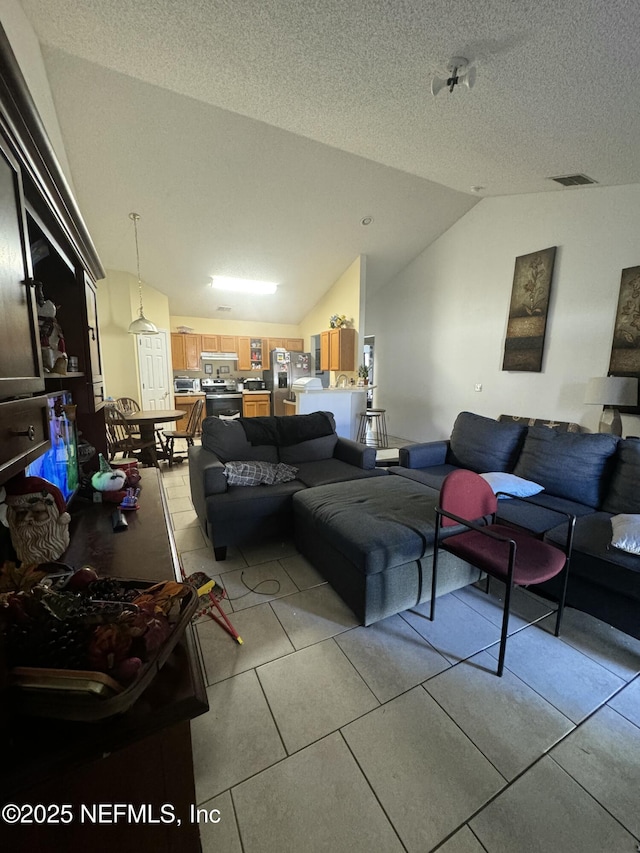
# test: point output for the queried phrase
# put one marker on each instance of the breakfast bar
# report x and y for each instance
(346, 404)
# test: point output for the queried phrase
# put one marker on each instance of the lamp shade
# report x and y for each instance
(612, 391)
(142, 326)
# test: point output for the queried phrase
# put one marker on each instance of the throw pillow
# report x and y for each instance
(257, 473)
(626, 532)
(575, 466)
(482, 444)
(516, 487)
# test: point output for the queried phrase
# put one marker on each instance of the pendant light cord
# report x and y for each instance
(136, 217)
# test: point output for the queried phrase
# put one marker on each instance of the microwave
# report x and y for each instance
(185, 385)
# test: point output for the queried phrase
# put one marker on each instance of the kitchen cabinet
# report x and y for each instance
(256, 405)
(210, 343)
(291, 344)
(294, 344)
(185, 351)
(250, 353)
(219, 343)
(338, 349)
(186, 402)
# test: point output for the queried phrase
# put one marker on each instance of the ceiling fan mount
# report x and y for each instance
(460, 74)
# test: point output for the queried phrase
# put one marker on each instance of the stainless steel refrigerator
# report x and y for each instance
(284, 368)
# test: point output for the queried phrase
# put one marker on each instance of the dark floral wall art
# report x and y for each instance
(524, 342)
(625, 350)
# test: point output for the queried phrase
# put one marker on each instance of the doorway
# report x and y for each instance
(369, 361)
(153, 362)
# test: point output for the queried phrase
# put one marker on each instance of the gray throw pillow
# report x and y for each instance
(623, 495)
(482, 444)
(569, 465)
(228, 441)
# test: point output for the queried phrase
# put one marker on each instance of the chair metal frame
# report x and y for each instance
(188, 434)
(484, 527)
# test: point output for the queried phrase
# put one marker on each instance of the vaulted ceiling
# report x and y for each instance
(253, 137)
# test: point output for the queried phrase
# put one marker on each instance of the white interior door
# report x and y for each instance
(155, 381)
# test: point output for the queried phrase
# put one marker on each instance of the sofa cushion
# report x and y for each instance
(257, 473)
(228, 440)
(326, 471)
(313, 450)
(482, 444)
(575, 466)
(623, 494)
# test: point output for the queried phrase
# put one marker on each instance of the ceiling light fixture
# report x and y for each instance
(459, 75)
(366, 220)
(141, 326)
(242, 285)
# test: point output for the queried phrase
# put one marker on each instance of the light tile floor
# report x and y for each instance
(323, 735)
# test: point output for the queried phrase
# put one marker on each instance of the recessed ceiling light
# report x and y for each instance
(242, 285)
(366, 220)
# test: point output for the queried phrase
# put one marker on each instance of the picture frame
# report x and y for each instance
(625, 346)
(208, 369)
(528, 308)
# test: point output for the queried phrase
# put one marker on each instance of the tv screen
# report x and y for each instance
(59, 465)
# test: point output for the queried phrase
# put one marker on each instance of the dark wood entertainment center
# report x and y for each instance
(142, 756)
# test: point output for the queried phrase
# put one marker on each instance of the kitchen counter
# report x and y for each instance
(345, 404)
(247, 393)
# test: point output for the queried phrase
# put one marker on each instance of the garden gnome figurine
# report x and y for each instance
(38, 520)
(107, 479)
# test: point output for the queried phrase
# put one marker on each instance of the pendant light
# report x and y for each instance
(141, 326)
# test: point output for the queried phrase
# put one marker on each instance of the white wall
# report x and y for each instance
(26, 48)
(440, 325)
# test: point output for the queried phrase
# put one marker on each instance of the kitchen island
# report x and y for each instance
(346, 405)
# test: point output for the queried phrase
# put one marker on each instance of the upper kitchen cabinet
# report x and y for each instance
(291, 344)
(219, 343)
(185, 351)
(338, 349)
(20, 359)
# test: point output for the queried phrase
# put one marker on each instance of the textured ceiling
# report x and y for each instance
(252, 137)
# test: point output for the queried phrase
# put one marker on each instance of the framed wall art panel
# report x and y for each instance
(524, 342)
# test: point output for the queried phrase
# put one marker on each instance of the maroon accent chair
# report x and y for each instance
(510, 554)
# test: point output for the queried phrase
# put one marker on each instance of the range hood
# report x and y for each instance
(219, 356)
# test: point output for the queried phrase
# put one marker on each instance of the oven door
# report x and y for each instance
(223, 405)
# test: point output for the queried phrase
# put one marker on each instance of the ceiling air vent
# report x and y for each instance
(223, 308)
(573, 180)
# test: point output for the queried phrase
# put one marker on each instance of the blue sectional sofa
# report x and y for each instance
(596, 477)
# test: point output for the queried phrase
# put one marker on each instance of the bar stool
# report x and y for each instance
(375, 420)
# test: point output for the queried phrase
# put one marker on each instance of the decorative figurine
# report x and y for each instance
(38, 520)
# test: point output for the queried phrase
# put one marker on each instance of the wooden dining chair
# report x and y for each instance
(188, 434)
(510, 554)
(121, 437)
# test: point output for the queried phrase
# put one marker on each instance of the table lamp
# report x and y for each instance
(610, 392)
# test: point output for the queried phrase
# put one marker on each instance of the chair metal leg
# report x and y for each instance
(505, 627)
(434, 570)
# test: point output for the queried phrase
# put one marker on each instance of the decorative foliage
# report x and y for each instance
(338, 321)
(363, 371)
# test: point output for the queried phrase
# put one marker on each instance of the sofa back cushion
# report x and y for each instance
(482, 444)
(313, 450)
(228, 440)
(623, 495)
(576, 466)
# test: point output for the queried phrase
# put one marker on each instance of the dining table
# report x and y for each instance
(147, 419)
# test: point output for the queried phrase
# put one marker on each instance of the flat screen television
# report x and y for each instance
(59, 465)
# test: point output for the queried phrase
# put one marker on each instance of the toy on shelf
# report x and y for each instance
(130, 501)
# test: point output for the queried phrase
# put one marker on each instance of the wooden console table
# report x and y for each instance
(140, 757)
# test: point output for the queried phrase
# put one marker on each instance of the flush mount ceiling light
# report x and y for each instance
(459, 75)
(366, 220)
(141, 326)
(242, 285)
